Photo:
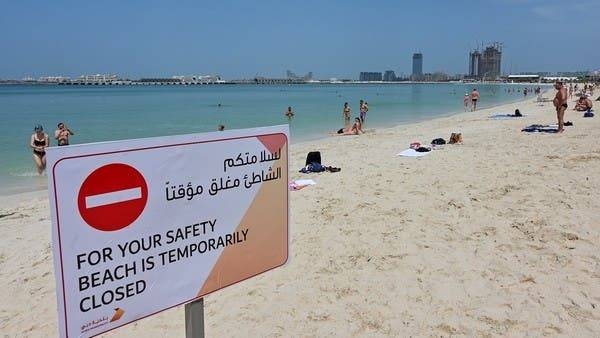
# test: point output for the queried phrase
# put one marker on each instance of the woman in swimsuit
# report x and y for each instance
(347, 113)
(39, 142)
(356, 129)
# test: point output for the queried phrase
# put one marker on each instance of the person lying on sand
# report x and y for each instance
(583, 104)
(355, 129)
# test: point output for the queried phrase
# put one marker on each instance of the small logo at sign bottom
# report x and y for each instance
(118, 314)
(94, 324)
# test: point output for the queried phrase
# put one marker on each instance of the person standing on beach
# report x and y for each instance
(474, 99)
(39, 142)
(570, 90)
(560, 102)
(346, 113)
(466, 100)
(364, 108)
(62, 134)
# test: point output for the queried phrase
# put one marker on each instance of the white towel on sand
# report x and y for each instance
(412, 153)
(305, 182)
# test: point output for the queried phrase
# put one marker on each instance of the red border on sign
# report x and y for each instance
(158, 147)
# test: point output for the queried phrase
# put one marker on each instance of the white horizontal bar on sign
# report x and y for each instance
(113, 197)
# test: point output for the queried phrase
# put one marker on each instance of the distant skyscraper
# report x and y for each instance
(474, 60)
(370, 76)
(292, 76)
(486, 65)
(491, 60)
(417, 69)
(389, 76)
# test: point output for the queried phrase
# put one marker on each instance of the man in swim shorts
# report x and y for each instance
(474, 98)
(560, 102)
(62, 134)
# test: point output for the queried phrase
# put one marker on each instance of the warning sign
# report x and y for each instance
(143, 225)
(112, 197)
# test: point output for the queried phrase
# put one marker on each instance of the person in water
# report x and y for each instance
(347, 113)
(221, 127)
(62, 134)
(364, 108)
(474, 99)
(39, 142)
(289, 113)
(355, 129)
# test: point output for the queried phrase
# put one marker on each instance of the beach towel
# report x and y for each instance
(314, 167)
(299, 184)
(412, 153)
(538, 128)
(504, 117)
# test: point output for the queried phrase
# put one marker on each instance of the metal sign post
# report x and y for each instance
(194, 319)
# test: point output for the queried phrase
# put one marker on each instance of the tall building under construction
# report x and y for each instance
(486, 65)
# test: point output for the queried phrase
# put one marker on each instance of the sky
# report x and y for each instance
(243, 39)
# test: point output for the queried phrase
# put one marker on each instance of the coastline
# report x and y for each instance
(497, 236)
(35, 181)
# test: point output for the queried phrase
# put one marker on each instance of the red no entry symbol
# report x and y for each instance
(112, 197)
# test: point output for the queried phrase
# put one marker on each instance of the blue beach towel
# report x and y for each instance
(539, 128)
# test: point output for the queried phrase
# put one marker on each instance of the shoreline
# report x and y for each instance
(315, 138)
(495, 236)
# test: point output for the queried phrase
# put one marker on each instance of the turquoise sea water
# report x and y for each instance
(112, 113)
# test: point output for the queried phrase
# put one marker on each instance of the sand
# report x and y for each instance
(499, 236)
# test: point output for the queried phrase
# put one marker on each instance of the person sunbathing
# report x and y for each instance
(516, 114)
(583, 104)
(355, 129)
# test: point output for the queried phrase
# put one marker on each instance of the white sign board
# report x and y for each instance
(143, 225)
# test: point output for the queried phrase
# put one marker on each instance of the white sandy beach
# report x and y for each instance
(499, 236)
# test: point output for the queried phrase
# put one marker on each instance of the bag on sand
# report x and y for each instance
(455, 138)
(438, 141)
(313, 157)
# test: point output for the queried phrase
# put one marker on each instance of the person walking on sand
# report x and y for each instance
(39, 142)
(466, 100)
(474, 99)
(560, 102)
(62, 134)
(346, 113)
